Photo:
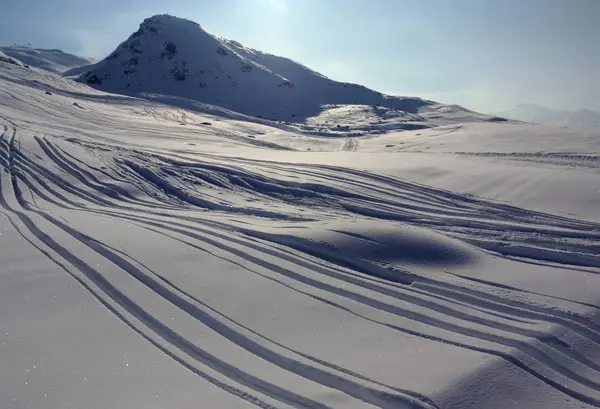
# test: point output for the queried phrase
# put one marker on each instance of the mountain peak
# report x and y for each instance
(159, 22)
(173, 56)
(170, 28)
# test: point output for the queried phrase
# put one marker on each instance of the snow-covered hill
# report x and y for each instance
(176, 57)
(53, 60)
(541, 115)
(10, 60)
(157, 257)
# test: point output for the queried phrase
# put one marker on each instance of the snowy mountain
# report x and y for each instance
(53, 60)
(541, 115)
(153, 256)
(176, 57)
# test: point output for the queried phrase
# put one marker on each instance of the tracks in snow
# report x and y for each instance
(171, 199)
(351, 145)
(570, 160)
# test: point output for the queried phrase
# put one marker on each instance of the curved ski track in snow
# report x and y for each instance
(198, 202)
(350, 145)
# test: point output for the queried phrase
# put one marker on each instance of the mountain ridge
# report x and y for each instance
(171, 56)
(534, 113)
(49, 59)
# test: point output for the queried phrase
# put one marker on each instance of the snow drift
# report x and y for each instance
(10, 60)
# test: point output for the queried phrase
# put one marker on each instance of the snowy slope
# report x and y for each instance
(177, 57)
(52, 60)
(159, 257)
(541, 115)
(10, 60)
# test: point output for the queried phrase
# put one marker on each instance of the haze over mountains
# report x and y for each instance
(541, 115)
(10, 60)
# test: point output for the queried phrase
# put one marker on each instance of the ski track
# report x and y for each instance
(351, 145)
(571, 160)
(174, 195)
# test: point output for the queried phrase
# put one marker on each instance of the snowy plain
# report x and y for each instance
(160, 257)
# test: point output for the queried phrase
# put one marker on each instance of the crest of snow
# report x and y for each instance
(10, 60)
(53, 60)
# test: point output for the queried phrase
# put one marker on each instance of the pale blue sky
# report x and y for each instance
(483, 54)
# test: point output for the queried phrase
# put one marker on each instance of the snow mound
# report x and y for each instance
(53, 60)
(374, 247)
(541, 115)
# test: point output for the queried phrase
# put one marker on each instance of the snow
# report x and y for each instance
(176, 57)
(166, 252)
(10, 60)
(56, 61)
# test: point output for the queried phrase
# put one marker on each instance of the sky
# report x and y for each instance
(485, 55)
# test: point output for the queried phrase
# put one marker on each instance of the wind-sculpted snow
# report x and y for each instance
(10, 60)
(224, 265)
(532, 113)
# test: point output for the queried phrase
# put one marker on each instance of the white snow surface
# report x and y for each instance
(161, 257)
(177, 57)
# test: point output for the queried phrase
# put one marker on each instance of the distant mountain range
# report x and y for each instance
(542, 115)
(56, 61)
